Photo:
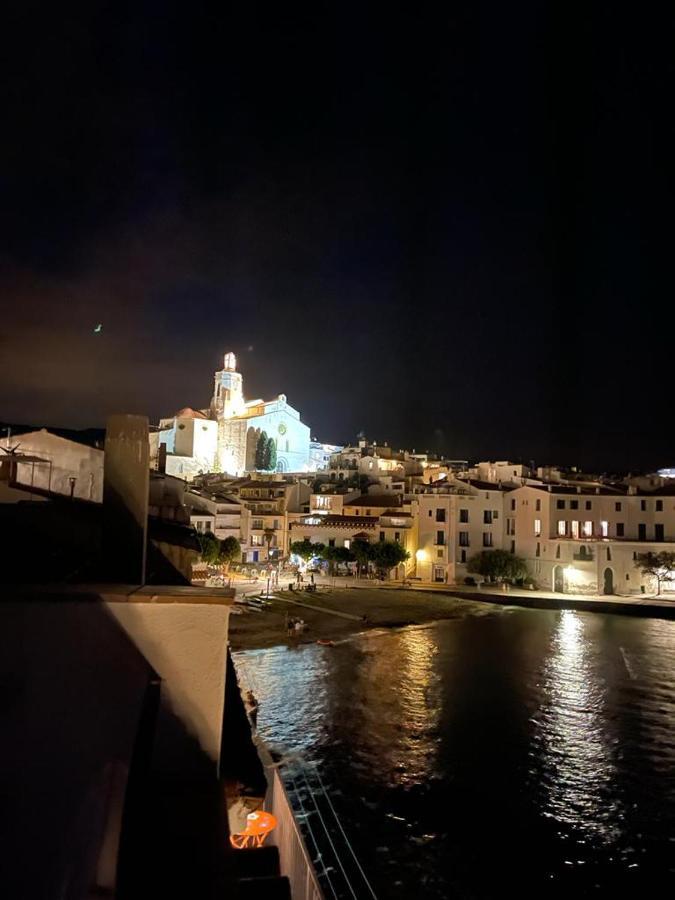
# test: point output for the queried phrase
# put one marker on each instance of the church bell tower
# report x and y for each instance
(228, 393)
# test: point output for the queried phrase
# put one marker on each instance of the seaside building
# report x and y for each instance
(457, 519)
(585, 538)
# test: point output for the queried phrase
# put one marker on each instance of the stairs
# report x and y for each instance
(256, 871)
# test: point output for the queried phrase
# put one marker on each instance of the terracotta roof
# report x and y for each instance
(188, 413)
(375, 500)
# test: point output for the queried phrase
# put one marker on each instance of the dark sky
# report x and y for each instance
(451, 229)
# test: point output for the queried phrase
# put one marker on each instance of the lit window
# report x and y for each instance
(537, 527)
(575, 530)
(487, 538)
(562, 527)
(348, 543)
(604, 528)
(587, 529)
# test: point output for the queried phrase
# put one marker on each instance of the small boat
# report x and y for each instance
(325, 642)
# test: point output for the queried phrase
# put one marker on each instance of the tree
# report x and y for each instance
(209, 546)
(262, 452)
(306, 549)
(230, 550)
(363, 552)
(659, 565)
(335, 556)
(387, 554)
(271, 454)
(497, 565)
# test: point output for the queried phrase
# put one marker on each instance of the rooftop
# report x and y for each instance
(375, 500)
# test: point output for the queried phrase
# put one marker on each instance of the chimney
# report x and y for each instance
(126, 483)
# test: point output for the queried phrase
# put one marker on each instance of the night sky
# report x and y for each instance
(449, 229)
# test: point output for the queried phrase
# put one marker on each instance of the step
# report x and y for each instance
(255, 861)
(268, 888)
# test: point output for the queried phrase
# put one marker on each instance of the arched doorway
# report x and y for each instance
(558, 580)
(282, 466)
(608, 581)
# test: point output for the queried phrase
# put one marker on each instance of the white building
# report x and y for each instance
(320, 454)
(585, 539)
(457, 519)
(224, 437)
(56, 465)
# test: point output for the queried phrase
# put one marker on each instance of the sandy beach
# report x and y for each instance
(336, 613)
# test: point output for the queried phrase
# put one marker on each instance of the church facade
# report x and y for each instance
(223, 438)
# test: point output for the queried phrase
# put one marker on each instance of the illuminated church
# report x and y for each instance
(223, 438)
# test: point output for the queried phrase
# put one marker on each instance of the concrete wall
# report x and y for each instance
(186, 644)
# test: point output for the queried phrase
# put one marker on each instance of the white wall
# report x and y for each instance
(67, 458)
(186, 644)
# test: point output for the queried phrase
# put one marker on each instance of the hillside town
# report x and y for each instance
(249, 471)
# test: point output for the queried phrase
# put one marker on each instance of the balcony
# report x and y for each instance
(588, 556)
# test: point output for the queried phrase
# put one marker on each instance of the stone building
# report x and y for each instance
(223, 437)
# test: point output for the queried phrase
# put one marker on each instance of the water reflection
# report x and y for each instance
(572, 738)
(401, 689)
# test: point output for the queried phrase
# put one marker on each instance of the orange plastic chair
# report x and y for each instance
(258, 826)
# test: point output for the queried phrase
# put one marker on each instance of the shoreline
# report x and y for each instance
(334, 614)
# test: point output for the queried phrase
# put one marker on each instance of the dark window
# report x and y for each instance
(560, 504)
(557, 552)
(513, 504)
(440, 515)
(487, 517)
(642, 532)
(431, 512)
(440, 538)
(463, 538)
(382, 535)
(574, 504)
(538, 505)
(464, 515)
(609, 554)
(643, 505)
(619, 529)
(397, 536)
(331, 542)
(589, 504)
(658, 532)
(659, 505)
(538, 551)
(513, 546)
(487, 538)
(462, 556)
(617, 507)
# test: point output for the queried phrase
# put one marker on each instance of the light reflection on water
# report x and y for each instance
(573, 735)
(523, 748)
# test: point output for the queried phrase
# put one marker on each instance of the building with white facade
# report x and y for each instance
(585, 539)
(457, 519)
(43, 461)
(223, 437)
